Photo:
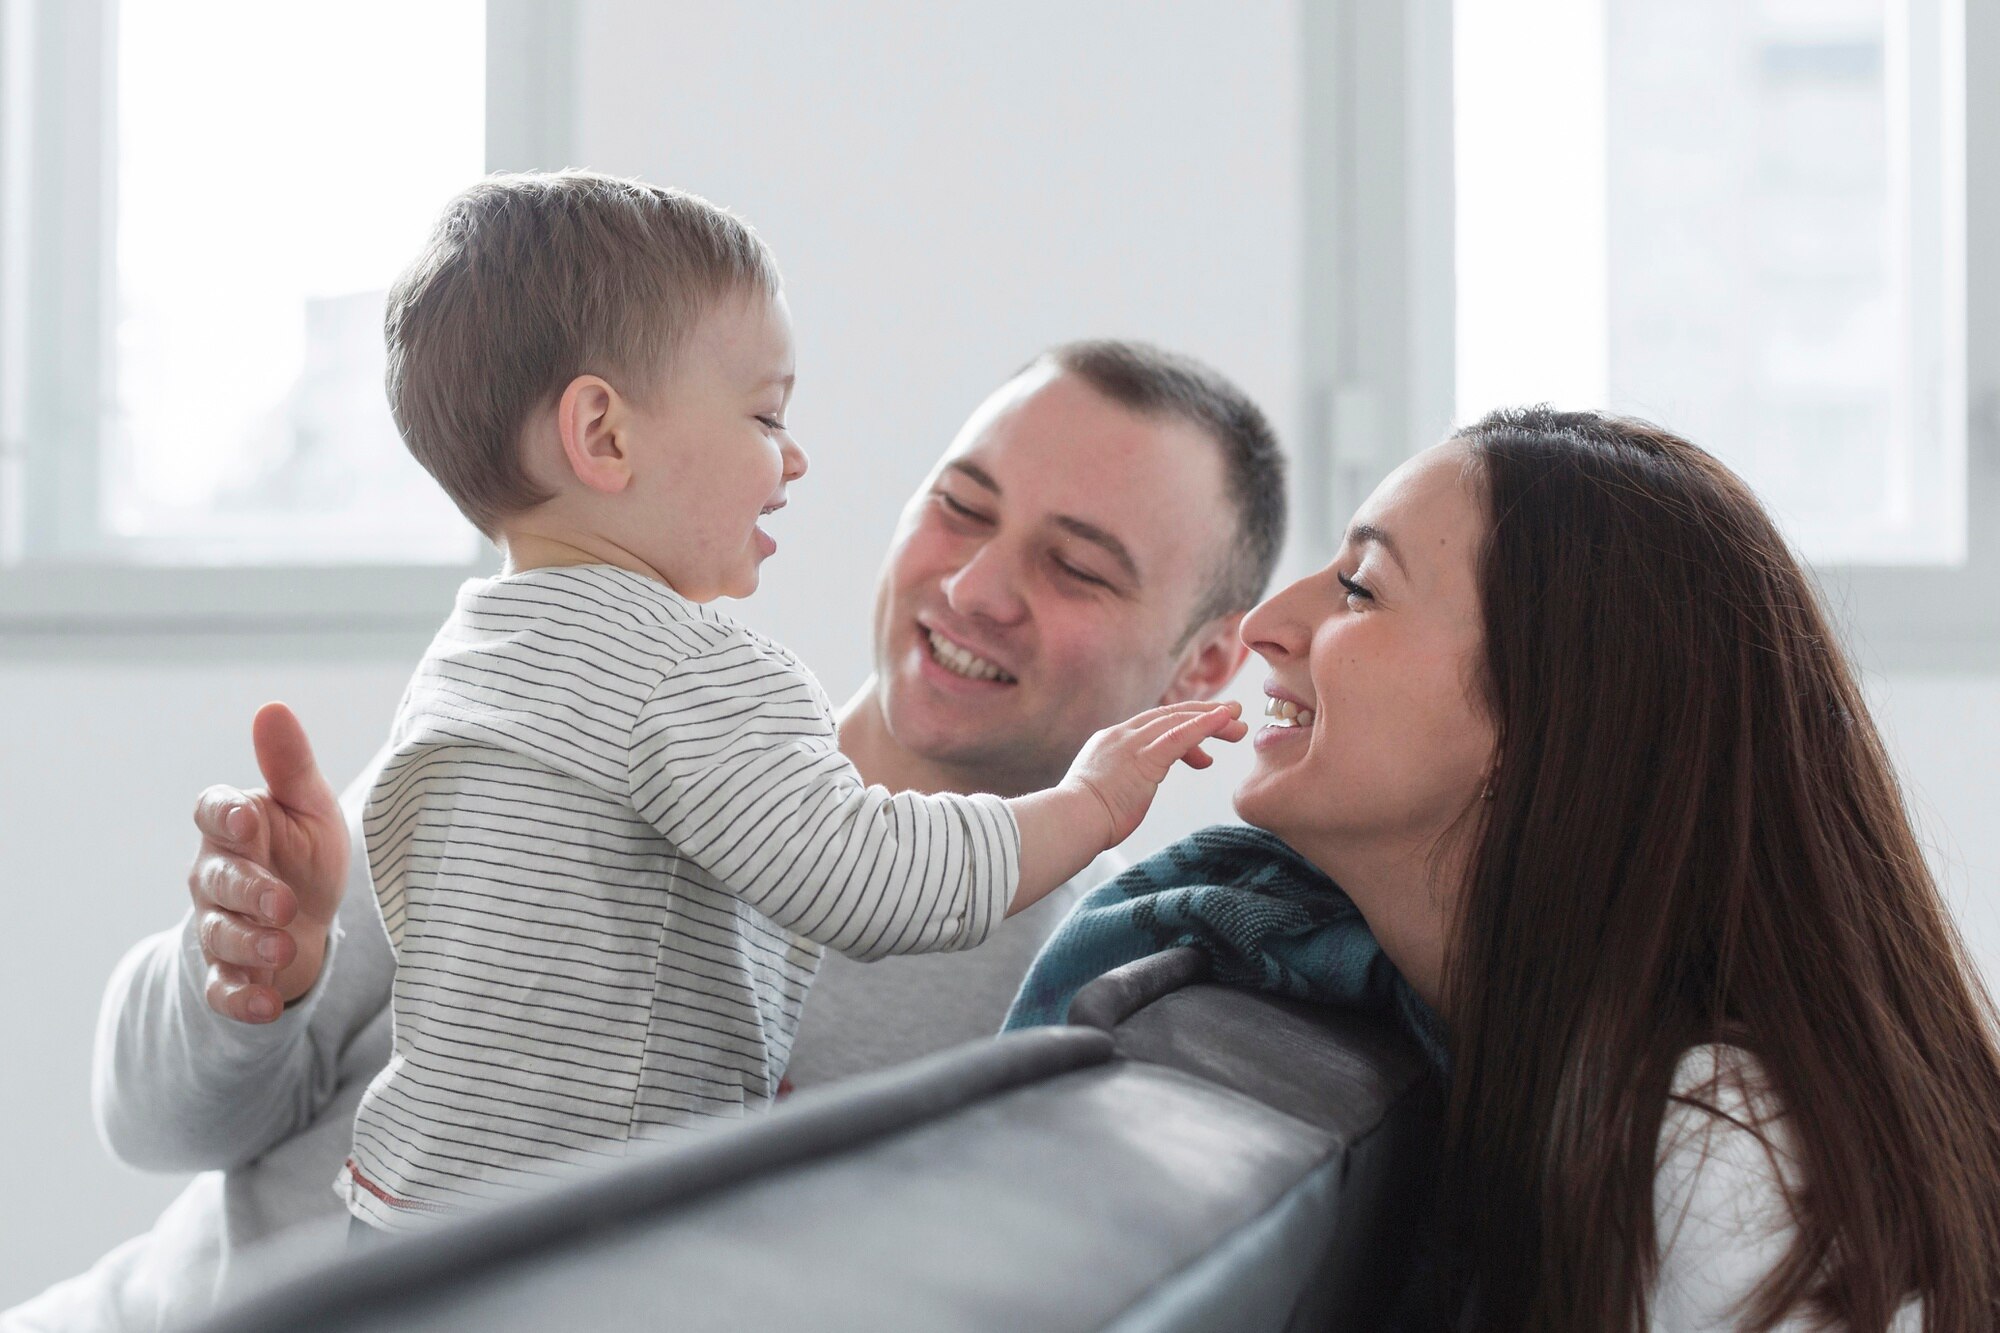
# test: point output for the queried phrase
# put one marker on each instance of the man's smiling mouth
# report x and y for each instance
(961, 662)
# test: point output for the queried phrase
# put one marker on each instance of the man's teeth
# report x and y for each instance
(1288, 713)
(956, 659)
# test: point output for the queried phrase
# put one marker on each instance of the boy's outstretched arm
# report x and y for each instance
(1107, 791)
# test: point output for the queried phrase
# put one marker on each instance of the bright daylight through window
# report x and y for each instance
(1770, 266)
(268, 189)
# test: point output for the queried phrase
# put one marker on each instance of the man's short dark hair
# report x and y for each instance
(1155, 382)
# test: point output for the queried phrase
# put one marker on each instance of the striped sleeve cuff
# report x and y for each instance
(991, 827)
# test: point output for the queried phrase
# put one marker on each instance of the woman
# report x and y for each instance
(1576, 737)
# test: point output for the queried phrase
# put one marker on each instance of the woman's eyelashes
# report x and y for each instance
(1355, 591)
(771, 423)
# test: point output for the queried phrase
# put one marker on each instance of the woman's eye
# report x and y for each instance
(1354, 590)
(772, 423)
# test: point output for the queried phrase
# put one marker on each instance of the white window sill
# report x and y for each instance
(95, 601)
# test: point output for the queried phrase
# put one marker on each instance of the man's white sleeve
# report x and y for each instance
(176, 1086)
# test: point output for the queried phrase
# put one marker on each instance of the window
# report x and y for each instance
(275, 167)
(1740, 218)
(202, 205)
(1761, 222)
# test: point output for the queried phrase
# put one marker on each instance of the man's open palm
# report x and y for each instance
(268, 877)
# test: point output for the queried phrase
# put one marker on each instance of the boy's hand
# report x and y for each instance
(1124, 765)
(269, 875)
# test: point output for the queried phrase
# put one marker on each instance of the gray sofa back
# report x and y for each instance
(1182, 1157)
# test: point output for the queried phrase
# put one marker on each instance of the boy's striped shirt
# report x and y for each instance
(613, 836)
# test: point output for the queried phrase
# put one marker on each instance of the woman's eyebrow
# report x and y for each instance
(1362, 533)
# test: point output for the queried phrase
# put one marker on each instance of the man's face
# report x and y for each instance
(1043, 577)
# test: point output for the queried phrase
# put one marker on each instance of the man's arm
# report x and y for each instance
(177, 1084)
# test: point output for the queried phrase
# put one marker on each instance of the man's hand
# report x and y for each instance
(1123, 766)
(269, 875)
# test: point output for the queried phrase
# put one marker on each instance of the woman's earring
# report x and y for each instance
(1486, 793)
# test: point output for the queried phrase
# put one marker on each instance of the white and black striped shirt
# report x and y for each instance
(613, 836)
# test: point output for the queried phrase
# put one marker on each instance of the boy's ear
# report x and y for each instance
(1210, 660)
(589, 418)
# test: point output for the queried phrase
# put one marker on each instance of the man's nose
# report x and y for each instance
(987, 585)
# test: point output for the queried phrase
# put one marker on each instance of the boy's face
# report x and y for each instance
(710, 451)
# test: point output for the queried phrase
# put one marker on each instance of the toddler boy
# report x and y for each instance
(616, 831)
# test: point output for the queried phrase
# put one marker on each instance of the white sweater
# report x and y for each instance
(1719, 1205)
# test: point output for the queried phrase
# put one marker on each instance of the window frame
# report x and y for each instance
(1377, 354)
(57, 63)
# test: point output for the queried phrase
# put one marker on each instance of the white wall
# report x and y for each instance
(103, 748)
(948, 188)
(1943, 730)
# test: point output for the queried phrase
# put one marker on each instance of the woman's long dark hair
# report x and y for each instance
(1695, 836)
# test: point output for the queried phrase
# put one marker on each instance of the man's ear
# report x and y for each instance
(589, 418)
(1210, 660)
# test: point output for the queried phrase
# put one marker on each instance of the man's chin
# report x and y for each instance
(930, 723)
(948, 729)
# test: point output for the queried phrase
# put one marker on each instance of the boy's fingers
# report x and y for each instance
(1159, 748)
(1166, 719)
(1182, 709)
(1229, 706)
(1179, 736)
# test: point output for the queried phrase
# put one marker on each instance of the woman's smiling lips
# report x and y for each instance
(1293, 717)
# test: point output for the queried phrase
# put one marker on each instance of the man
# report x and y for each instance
(1085, 549)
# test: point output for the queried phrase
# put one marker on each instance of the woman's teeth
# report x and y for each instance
(1287, 713)
(955, 659)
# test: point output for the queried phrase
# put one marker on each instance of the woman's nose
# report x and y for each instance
(795, 460)
(1272, 629)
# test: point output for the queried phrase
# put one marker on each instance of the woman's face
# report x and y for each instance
(1380, 652)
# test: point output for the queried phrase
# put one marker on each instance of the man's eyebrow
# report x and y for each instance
(976, 473)
(1368, 532)
(1075, 527)
(1097, 536)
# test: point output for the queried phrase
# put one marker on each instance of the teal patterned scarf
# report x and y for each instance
(1266, 917)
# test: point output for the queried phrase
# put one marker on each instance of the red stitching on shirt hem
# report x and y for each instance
(407, 1205)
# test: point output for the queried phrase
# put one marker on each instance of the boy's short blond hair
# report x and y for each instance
(531, 280)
